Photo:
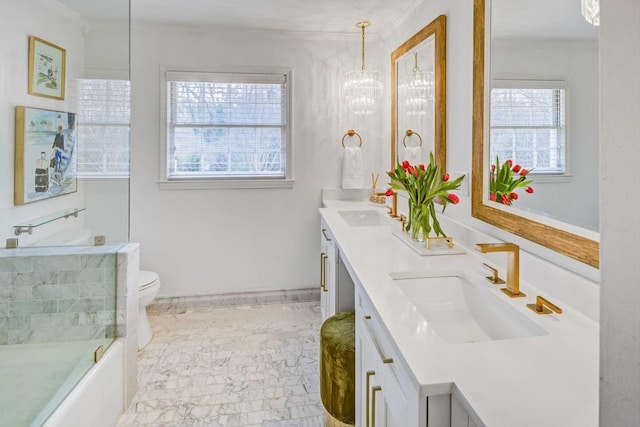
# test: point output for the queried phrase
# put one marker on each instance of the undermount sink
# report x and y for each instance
(369, 218)
(461, 311)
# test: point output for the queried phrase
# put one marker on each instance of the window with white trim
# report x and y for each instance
(528, 124)
(104, 121)
(227, 126)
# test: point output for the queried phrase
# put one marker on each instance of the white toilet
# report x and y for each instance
(148, 288)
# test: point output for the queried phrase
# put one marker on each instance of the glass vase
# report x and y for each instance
(419, 225)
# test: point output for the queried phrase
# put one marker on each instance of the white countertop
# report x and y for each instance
(549, 380)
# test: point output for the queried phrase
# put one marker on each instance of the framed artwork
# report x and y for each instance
(46, 68)
(45, 161)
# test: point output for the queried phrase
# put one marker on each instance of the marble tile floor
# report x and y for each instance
(248, 365)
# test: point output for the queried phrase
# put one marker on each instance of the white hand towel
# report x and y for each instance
(413, 155)
(352, 168)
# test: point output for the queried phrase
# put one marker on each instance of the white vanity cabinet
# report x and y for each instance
(461, 415)
(412, 372)
(336, 286)
(385, 396)
(327, 249)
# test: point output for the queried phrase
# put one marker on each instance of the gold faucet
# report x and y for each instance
(403, 221)
(540, 307)
(513, 265)
(393, 209)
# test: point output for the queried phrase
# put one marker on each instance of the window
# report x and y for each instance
(104, 111)
(227, 126)
(528, 124)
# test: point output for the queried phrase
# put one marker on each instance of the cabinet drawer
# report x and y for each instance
(387, 354)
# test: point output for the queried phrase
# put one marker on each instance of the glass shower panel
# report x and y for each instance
(57, 315)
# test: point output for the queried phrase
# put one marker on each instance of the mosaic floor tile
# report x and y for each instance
(243, 366)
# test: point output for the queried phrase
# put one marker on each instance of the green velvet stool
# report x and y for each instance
(338, 368)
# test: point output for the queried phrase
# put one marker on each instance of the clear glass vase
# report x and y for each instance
(423, 220)
(419, 225)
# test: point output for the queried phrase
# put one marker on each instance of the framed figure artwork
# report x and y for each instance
(45, 161)
(46, 69)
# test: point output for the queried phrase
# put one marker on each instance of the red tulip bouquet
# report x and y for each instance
(424, 186)
(505, 179)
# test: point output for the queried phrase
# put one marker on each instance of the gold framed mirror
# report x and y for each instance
(418, 96)
(550, 234)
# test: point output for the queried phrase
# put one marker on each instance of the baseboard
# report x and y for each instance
(182, 304)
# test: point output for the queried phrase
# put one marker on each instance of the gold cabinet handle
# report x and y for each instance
(323, 270)
(324, 233)
(375, 341)
(369, 374)
(374, 390)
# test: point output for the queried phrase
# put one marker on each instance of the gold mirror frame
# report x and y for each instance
(438, 29)
(572, 245)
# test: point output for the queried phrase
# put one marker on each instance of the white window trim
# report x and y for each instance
(201, 183)
(506, 83)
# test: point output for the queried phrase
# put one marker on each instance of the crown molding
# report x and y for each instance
(56, 6)
(400, 16)
(236, 32)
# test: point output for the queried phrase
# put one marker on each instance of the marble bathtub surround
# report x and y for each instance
(128, 266)
(243, 365)
(47, 297)
(72, 293)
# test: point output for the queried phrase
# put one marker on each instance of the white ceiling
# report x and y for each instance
(556, 19)
(334, 16)
(553, 19)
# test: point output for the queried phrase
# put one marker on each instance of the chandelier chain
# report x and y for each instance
(363, 27)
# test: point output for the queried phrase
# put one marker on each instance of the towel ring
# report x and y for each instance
(351, 132)
(410, 133)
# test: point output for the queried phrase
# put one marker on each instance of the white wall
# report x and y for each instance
(620, 221)
(213, 241)
(577, 63)
(18, 21)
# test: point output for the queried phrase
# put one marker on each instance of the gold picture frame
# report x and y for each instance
(47, 64)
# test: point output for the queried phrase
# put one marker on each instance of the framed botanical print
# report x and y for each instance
(45, 160)
(46, 68)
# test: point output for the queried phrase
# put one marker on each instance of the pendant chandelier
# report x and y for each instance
(417, 90)
(591, 11)
(362, 88)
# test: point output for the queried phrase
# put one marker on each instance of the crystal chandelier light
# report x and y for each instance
(591, 11)
(417, 90)
(362, 88)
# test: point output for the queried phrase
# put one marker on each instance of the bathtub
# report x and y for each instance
(57, 383)
(98, 399)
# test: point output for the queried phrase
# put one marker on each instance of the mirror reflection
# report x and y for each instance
(543, 110)
(416, 79)
(418, 96)
(575, 242)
